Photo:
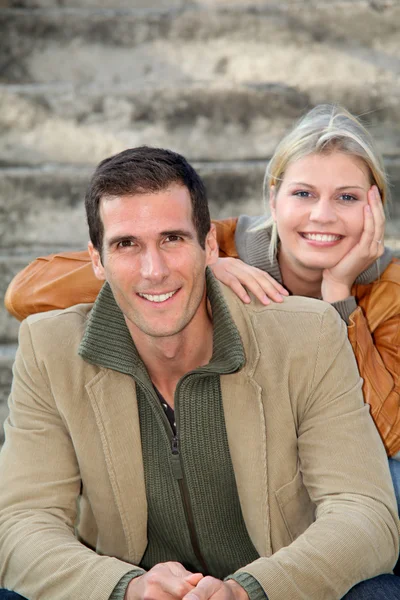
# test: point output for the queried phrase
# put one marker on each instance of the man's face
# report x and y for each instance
(153, 261)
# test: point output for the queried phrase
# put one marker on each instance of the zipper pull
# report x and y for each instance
(176, 459)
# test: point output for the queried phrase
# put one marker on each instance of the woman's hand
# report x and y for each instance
(337, 281)
(242, 278)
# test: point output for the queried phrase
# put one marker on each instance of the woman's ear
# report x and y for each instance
(272, 201)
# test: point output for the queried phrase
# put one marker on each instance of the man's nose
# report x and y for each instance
(153, 265)
(323, 211)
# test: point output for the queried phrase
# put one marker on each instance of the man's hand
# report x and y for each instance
(209, 587)
(165, 581)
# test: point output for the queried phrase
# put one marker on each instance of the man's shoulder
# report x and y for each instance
(298, 320)
(77, 312)
(55, 326)
(292, 306)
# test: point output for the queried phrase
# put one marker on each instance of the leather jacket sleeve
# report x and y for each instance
(374, 333)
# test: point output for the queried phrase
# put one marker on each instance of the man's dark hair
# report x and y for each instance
(139, 171)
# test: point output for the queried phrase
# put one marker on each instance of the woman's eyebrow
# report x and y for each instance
(341, 187)
(346, 187)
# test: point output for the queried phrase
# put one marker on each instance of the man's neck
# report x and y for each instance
(167, 359)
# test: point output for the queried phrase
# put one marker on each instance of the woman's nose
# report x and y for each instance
(323, 211)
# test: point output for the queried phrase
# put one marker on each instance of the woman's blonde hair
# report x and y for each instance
(324, 129)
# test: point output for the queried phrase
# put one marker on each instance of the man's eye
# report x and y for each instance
(173, 238)
(125, 243)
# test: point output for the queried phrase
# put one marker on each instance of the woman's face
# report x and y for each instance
(319, 209)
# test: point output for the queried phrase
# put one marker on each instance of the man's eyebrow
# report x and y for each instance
(178, 232)
(185, 233)
(118, 238)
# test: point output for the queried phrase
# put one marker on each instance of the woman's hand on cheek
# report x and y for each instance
(337, 281)
(242, 278)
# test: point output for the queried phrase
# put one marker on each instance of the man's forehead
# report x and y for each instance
(137, 214)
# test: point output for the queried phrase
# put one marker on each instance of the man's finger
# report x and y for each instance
(194, 578)
(205, 589)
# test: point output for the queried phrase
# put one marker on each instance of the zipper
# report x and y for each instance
(178, 474)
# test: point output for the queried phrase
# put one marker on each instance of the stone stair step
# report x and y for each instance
(9, 267)
(7, 354)
(47, 207)
(221, 121)
(287, 41)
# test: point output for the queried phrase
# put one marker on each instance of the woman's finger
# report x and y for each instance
(368, 234)
(241, 277)
(378, 213)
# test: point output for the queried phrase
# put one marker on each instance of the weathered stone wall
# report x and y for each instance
(220, 81)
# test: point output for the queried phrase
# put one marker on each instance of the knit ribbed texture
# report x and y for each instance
(253, 238)
(120, 588)
(250, 584)
(345, 308)
(205, 457)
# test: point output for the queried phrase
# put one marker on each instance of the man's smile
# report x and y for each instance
(158, 297)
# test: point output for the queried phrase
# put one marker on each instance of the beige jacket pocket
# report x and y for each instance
(297, 510)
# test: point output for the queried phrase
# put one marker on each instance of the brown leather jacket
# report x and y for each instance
(61, 280)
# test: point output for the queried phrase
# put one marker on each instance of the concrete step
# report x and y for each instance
(213, 122)
(84, 124)
(7, 354)
(47, 206)
(305, 43)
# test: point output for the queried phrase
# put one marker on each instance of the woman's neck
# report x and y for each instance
(298, 279)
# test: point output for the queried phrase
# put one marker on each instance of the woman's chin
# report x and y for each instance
(319, 263)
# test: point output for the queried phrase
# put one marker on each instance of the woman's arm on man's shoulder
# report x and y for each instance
(62, 280)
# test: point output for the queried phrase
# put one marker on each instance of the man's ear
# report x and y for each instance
(96, 262)
(211, 246)
(272, 201)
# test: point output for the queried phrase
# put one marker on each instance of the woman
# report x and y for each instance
(326, 187)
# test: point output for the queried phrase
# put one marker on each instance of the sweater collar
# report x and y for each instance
(253, 237)
(108, 343)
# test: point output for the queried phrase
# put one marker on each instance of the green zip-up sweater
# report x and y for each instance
(194, 514)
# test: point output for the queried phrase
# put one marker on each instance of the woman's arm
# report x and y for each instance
(51, 282)
(374, 333)
(61, 280)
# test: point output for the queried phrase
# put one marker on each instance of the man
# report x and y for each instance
(173, 443)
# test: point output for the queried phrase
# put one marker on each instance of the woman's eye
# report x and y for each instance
(348, 198)
(302, 194)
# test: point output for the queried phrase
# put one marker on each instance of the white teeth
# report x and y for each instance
(321, 237)
(157, 297)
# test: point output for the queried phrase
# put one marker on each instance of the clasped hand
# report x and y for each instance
(171, 581)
